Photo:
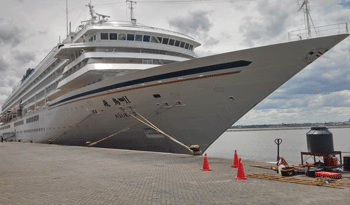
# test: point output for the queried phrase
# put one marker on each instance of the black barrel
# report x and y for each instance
(320, 140)
(347, 163)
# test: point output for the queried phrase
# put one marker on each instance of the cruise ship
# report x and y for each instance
(122, 84)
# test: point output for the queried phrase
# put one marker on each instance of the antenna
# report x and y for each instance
(67, 16)
(92, 12)
(308, 17)
(132, 9)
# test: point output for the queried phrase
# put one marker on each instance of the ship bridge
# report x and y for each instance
(110, 48)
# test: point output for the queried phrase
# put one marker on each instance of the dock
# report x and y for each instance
(33, 173)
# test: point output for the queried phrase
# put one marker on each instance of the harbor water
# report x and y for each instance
(260, 145)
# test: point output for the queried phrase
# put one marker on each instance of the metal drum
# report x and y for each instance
(320, 140)
(347, 163)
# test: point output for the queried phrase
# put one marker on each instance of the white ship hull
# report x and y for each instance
(214, 92)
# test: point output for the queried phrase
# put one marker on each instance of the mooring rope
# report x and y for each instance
(146, 122)
(159, 130)
(51, 141)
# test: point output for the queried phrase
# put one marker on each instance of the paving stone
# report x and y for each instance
(53, 174)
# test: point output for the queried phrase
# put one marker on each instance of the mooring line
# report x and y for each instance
(51, 141)
(159, 130)
(147, 123)
(114, 134)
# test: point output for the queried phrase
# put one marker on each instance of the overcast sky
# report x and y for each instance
(29, 29)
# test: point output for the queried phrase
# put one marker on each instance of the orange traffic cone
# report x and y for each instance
(240, 171)
(205, 164)
(235, 160)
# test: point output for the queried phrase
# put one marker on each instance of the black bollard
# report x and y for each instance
(278, 141)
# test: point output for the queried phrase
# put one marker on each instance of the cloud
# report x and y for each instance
(344, 3)
(198, 25)
(10, 34)
(301, 108)
(269, 21)
(42, 32)
(3, 65)
(23, 57)
(193, 24)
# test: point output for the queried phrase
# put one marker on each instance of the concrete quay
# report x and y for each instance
(53, 174)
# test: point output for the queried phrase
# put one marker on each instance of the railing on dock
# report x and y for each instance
(318, 32)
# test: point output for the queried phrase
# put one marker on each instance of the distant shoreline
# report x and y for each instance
(278, 128)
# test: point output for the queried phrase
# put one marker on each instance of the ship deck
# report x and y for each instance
(53, 174)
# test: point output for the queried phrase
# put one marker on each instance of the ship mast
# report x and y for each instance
(132, 19)
(308, 17)
(67, 16)
(92, 12)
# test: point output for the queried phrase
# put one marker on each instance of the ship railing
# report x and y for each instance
(320, 31)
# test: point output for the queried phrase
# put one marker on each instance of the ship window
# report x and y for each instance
(131, 37)
(146, 38)
(177, 43)
(191, 47)
(154, 39)
(171, 42)
(182, 44)
(138, 37)
(104, 36)
(94, 37)
(160, 39)
(113, 36)
(186, 46)
(121, 36)
(165, 40)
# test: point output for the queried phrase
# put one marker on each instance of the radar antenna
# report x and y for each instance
(94, 15)
(308, 17)
(132, 19)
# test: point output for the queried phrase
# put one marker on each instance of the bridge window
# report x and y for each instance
(113, 36)
(182, 44)
(177, 43)
(165, 40)
(191, 48)
(186, 46)
(160, 39)
(138, 37)
(146, 38)
(122, 36)
(171, 42)
(104, 36)
(131, 37)
(154, 40)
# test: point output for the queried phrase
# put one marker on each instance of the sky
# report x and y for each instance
(29, 29)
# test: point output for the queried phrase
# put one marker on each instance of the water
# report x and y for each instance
(260, 145)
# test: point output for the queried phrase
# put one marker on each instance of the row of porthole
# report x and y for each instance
(33, 130)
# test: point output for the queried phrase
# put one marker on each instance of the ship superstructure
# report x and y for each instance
(126, 85)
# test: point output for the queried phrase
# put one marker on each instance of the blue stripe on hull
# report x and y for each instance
(175, 74)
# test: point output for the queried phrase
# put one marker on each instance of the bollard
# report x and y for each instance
(278, 141)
